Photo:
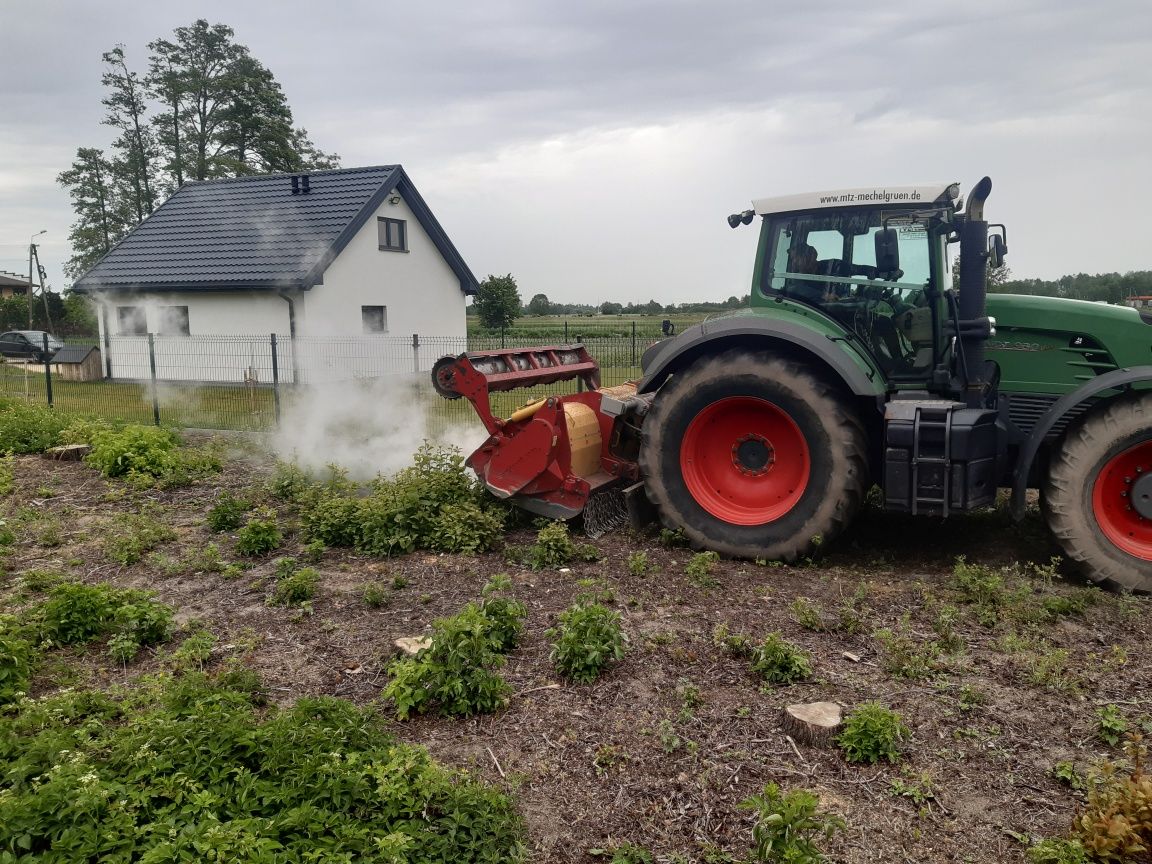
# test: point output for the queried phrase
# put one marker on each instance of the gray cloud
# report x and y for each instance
(594, 148)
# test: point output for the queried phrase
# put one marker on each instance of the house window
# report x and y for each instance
(393, 234)
(173, 321)
(132, 321)
(375, 318)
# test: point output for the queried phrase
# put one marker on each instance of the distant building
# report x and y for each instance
(350, 254)
(12, 284)
(1138, 302)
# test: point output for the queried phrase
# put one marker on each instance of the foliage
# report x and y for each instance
(260, 533)
(227, 513)
(538, 305)
(374, 595)
(734, 644)
(505, 615)
(7, 479)
(871, 733)
(907, 657)
(89, 773)
(206, 108)
(295, 587)
(637, 563)
(627, 853)
(28, 428)
(497, 302)
(1116, 823)
(1058, 852)
(789, 826)
(453, 676)
(807, 614)
(586, 639)
(553, 547)
(132, 535)
(144, 454)
(76, 613)
(17, 656)
(699, 569)
(778, 661)
(1111, 725)
(433, 504)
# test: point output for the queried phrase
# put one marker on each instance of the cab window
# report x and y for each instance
(828, 260)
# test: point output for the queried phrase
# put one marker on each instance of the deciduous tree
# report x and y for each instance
(498, 301)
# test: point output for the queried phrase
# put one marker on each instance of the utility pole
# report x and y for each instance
(31, 252)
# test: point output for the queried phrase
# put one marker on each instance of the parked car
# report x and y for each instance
(29, 344)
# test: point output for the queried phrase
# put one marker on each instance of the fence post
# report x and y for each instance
(565, 331)
(633, 343)
(580, 380)
(152, 366)
(47, 371)
(416, 353)
(502, 345)
(275, 381)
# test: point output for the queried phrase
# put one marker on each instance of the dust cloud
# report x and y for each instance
(368, 426)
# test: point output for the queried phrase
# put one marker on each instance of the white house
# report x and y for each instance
(345, 267)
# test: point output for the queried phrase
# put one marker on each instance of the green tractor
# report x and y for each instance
(759, 434)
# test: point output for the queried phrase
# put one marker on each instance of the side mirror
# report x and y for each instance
(887, 250)
(996, 252)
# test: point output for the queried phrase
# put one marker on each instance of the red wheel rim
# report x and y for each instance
(745, 461)
(1114, 505)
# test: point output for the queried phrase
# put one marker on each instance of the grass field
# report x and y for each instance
(553, 326)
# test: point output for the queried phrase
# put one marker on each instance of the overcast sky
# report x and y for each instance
(593, 149)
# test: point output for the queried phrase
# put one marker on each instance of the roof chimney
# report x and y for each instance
(295, 185)
(304, 184)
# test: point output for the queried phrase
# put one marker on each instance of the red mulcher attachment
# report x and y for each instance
(552, 454)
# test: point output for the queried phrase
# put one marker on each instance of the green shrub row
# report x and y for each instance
(435, 504)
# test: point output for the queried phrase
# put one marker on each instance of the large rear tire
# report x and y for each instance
(753, 456)
(1098, 495)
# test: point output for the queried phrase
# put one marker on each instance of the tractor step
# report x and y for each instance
(940, 456)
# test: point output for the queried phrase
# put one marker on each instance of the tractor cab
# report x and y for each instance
(873, 261)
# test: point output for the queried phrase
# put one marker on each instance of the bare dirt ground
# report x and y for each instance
(663, 748)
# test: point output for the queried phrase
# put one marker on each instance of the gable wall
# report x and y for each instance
(419, 289)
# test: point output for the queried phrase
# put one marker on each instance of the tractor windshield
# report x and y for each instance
(829, 260)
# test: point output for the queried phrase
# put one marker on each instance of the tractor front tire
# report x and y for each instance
(1098, 496)
(752, 455)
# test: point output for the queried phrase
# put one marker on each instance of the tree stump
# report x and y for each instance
(410, 646)
(68, 452)
(813, 724)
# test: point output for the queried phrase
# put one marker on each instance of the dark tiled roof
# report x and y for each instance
(73, 353)
(252, 232)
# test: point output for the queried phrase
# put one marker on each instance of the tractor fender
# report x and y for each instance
(1116, 379)
(859, 374)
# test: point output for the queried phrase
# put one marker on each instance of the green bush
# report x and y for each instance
(132, 535)
(190, 769)
(227, 513)
(26, 428)
(133, 449)
(553, 547)
(1110, 725)
(871, 733)
(586, 639)
(260, 534)
(778, 661)
(374, 595)
(1059, 852)
(75, 613)
(699, 569)
(505, 615)
(295, 588)
(789, 826)
(637, 563)
(7, 479)
(17, 654)
(808, 615)
(434, 504)
(454, 676)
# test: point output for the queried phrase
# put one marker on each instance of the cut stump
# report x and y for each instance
(68, 453)
(814, 724)
(412, 645)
